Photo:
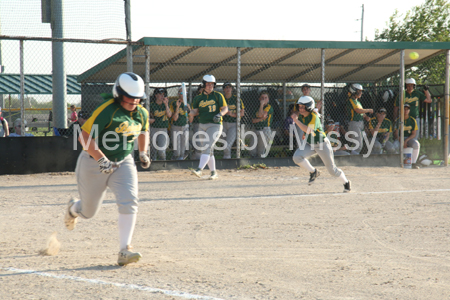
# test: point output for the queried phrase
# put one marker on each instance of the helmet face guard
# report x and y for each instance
(355, 87)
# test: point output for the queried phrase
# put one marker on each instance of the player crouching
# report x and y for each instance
(105, 162)
(316, 142)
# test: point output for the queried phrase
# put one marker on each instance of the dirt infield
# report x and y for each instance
(252, 234)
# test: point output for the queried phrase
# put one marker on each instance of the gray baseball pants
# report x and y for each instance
(324, 150)
(92, 185)
(213, 133)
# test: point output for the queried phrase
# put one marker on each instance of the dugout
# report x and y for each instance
(282, 67)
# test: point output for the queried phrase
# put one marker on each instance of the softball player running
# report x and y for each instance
(229, 120)
(315, 142)
(108, 138)
(210, 106)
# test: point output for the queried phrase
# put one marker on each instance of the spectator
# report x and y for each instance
(410, 131)
(356, 114)
(4, 129)
(289, 127)
(230, 119)
(380, 128)
(415, 99)
(160, 114)
(179, 127)
(73, 115)
(18, 128)
(262, 120)
(210, 106)
(82, 118)
(333, 134)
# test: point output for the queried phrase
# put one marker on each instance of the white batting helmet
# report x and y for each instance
(209, 78)
(129, 84)
(410, 81)
(308, 102)
(355, 87)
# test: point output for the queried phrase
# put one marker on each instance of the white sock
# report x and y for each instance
(204, 158)
(73, 209)
(305, 164)
(415, 155)
(212, 163)
(126, 225)
(343, 178)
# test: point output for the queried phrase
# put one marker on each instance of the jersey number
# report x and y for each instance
(212, 108)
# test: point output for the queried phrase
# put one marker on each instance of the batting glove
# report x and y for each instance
(105, 165)
(145, 160)
(426, 88)
(217, 118)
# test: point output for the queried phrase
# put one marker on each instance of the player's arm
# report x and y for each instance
(192, 114)
(426, 91)
(88, 143)
(143, 141)
(176, 111)
(223, 110)
(363, 110)
(303, 127)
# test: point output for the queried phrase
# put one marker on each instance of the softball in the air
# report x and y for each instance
(414, 55)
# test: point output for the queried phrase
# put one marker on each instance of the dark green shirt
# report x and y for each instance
(232, 107)
(182, 119)
(268, 121)
(409, 126)
(208, 106)
(414, 100)
(313, 121)
(351, 113)
(111, 126)
(158, 112)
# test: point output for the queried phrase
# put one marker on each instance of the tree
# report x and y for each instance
(429, 22)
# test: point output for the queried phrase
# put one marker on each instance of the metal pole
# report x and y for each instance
(22, 91)
(128, 29)
(322, 86)
(362, 24)
(147, 77)
(238, 106)
(284, 99)
(402, 108)
(59, 74)
(446, 107)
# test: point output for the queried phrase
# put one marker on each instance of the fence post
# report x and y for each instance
(238, 102)
(402, 109)
(22, 91)
(446, 107)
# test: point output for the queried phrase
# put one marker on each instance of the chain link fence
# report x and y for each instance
(284, 74)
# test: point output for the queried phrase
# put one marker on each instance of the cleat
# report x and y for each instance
(126, 256)
(347, 188)
(415, 166)
(213, 175)
(69, 220)
(197, 173)
(313, 176)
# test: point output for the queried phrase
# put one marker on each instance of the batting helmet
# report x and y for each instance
(129, 84)
(308, 102)
(387, 95)
(410, 81)
(354, 87)
(208, 78)
(160, 91)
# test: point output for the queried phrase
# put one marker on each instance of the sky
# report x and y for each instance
(276, 20)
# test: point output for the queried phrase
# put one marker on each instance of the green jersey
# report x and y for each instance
(208, 106)
(158, 112)
(232, 107)
(115, 128)
(414, 100)
(317, 134)
(268, 121)
(409, 126)
(351, 113)
(385, 127)
(182, 119)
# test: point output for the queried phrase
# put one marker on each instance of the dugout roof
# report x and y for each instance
(187, 60)
(36, 84)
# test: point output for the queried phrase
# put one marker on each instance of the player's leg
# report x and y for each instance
(176, 141)
(123, 182)
(377, 148)
(325, 151)
(162, 141)
(415, 154)
(91, 187)
(184, 140)
(214, 132)
(300, 158)
(389, 147)
(253, 142)
(355, 129)
(230, 130)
